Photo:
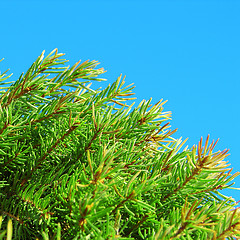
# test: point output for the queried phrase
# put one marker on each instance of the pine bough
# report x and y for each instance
(78, 163)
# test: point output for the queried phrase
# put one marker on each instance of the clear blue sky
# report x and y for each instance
(186, 52)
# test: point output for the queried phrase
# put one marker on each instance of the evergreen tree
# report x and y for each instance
(78, 163)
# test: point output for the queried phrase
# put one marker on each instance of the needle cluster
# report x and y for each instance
(79, 163)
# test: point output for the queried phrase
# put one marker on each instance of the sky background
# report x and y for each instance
(186, 52)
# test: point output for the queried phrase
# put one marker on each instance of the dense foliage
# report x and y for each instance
(78, 163)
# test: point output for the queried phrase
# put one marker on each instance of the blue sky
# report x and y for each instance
(186, 52)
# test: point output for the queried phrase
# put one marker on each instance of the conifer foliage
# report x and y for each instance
(79, 163)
